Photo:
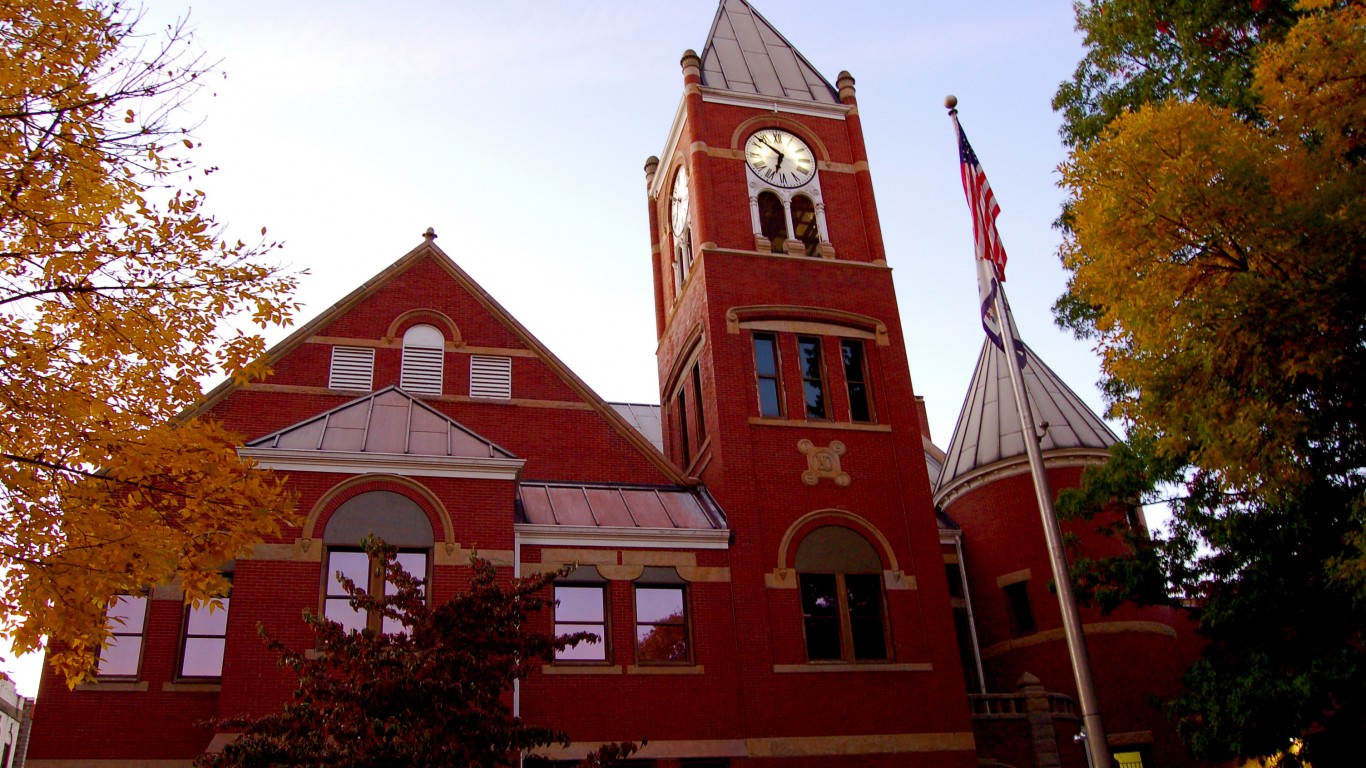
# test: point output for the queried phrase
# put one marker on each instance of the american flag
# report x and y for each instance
(983, 205)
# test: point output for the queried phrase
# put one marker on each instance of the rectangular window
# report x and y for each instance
(352, 368)
(582, 608)
(1021, 612)
(856, 380)
(357, 566)
(842, 616)
(662, 624)
(813, 376)
(766, 374)
(206, 636)
(122, 656)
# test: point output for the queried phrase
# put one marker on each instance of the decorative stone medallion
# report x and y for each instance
(823, 462)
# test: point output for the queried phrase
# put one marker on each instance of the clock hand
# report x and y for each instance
(776, 151)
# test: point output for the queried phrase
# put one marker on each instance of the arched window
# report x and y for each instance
(423, 360)
(396, 519)
(773, 221)
(840, 576)
(804, 222)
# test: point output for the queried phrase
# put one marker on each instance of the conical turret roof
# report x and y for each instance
(988, 432)
(745, 53)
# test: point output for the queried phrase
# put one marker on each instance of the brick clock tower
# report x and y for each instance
(786, 390)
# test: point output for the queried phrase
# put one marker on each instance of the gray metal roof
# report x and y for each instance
(645, 419)
(745, 53)
(389, 421)
(988, 429)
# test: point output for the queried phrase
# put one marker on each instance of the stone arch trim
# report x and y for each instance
(806, 523)
(689, 351)
(739, 317)
(430, 316)
(326, 504)
(743, 130)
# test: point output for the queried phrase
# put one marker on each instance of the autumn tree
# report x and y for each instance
(116, 288)
(435, 693)
(1214, 238)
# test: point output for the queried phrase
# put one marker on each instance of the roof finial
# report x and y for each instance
(429, 235)
(845, 84)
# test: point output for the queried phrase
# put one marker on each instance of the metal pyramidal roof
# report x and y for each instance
(988, 429)
(745, 53)
(389, 421)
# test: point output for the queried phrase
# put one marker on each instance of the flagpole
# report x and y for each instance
(1097, 746)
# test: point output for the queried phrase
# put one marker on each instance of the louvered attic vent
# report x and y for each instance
(491, 377)
(422, 370)
(353, 368)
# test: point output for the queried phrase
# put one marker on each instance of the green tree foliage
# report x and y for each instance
(116, 292)
(1149, 51)
(1214, 240)
(435, 694)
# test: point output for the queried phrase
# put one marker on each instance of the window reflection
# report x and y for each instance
(813, 376)
(367, 575)
(206, 631)
(122, 654)
(661, 624)
(582, 608)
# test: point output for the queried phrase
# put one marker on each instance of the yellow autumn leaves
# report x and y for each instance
(115, 290)
(1224, 259)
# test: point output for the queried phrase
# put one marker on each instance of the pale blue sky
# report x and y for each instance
(519, 131)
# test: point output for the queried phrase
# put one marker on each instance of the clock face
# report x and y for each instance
(678, 205)
(780, 158)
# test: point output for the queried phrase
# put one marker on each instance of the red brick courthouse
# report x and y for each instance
(784, 569)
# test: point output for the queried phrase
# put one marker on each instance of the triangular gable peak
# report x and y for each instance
(988, 438)
(428, 250)
(387, 430)
(745, 53)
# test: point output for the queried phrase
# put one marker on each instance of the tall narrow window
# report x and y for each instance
(1021, 612)
(840, 576)
(685, 446)
(122, 655)
(424, 357)
(856, 380)
(813, 376)
(766, 374)
(206, 636)
(581, 607)
(700, 433)
(804, 222)
(773, 221)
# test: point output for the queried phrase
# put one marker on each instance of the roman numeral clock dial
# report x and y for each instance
(780, 158)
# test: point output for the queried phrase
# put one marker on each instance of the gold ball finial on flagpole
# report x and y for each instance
(950, 101)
